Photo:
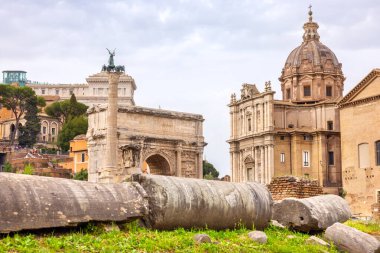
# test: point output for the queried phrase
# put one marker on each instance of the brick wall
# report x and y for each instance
(289, 186)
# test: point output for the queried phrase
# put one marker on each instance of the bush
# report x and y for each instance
(82, 175)
(28, 169)
(8, 167)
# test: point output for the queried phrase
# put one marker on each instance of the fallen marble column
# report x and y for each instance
(195, 203)
(311, 214)
(351, 240)
(34, 202)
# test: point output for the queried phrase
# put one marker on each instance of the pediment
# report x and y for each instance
(368, 87)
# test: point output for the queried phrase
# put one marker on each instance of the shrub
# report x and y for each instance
(8, 167)
(82, 175)
(28, 169)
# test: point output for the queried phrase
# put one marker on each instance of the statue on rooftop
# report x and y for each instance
(111, 64)
(110, 60)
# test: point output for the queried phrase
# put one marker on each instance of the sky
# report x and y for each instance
(185, 55)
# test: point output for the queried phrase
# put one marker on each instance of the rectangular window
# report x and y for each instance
(307, 137)
(287, 93)
(71, 92)
(93, 91)
(43, 91)
(83, 157)
(378, 197)
(249, 125)
(307, 91)
(377, 146)
(330, 125)
(53, 131)
(282, 157)
(53, 139)
(44, 130)
(331, 158)
(328, 91)
(282, 138)
(306, 159)
(56, 92)
(363, 155)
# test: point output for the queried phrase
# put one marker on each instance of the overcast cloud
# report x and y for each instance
(186, 55)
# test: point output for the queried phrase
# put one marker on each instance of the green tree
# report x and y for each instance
(209, 169)
(66, 110)
(16, 99)
(70, 129)
(31, 129)
(82, 175)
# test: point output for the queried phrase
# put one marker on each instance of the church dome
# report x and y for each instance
(314, 52)
(314, 66)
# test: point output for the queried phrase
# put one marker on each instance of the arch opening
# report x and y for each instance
(156, 164)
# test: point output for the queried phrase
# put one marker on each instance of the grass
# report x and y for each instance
(132, 238)
(367, 227)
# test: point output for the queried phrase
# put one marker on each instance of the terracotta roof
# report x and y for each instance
(51, 97)
(80, 137)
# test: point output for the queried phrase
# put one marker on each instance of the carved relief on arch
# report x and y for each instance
(188, 164)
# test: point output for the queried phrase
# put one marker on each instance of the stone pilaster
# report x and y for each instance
(256, 156)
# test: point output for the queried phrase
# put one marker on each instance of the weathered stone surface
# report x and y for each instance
(317, 241)
(352, 240)
(202, 238)
(185, 202)
(276, 224)
(33, 202)
(311, 214)
(258, 236)
(110, 227)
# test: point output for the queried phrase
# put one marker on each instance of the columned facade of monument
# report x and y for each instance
(298, 135)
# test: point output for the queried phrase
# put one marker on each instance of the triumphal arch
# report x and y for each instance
(141, 139)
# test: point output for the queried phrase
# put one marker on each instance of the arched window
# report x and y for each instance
(364, 155)
(377, 150)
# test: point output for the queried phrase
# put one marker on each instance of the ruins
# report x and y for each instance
(125, 139)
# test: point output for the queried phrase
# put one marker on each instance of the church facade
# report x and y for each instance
(298, 135)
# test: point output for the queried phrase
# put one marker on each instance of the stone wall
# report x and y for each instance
(376, 211)
(289, 186)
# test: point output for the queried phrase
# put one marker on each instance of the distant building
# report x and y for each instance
(94, 92)
(78, 154)
(360, 133)
(14, 76)
(298, 135)
(50, 126)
